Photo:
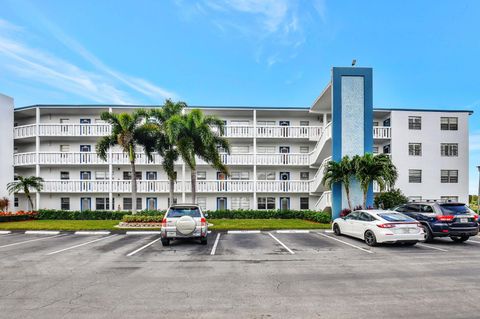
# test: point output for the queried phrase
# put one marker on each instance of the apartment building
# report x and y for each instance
(276, 161)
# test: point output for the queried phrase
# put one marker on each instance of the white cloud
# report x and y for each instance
(102, 84)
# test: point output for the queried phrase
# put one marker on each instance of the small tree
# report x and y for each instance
(339, 172)
(4, 203)
(374, 168)
(390, 199)
(26, 184)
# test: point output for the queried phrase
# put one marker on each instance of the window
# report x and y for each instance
(240, 149)
(375, 150)
(240, 122)
(386, 149)
(64, 175)
(449, 123)
(415, 122)
(449, 149)
(375, 123)
(85, 121)
(222, 203)
(266, 176)
(127, 203)
(85, 175)
(266, 203)
(266, 123)
(304, 149)
(151, 176)
(449, 198)
(449, 176)
(64, 148)
(304, 176)
(304, 123)
(304, 202)
(265, 149)
(151, 203)
(240, 203)
(201, 175)
(239, 175)
(102, 203)
(101, 175)
(414, 175)
(15, 202)
(85, 148)
(415, 149)
(387, 122)
(127, 175)
(202, 202)
(65, 203)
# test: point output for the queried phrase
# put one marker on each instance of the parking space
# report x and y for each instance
(239, 245)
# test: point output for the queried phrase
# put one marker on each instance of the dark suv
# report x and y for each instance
(454, 220)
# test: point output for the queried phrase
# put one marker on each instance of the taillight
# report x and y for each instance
(386, 225)
(203, 222)
(475, 217)
(164, 222)
(445, 218)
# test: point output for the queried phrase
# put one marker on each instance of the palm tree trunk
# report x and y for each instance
(193, 177)
(172, 185)
(134, 188)
(29, 200)
(347, 192)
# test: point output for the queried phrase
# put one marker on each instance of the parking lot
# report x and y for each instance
(278, 274)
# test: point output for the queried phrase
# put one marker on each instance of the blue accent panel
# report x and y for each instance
(337, 74)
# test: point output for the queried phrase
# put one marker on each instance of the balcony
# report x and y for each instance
(382, 132)
(162, 186)
(305, 132)
(283, 159)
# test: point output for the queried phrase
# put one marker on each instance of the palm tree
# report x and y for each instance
(339, 172)
(163, 145)
(374, 168)
(129, 133)
(197, 134)
(25, 184)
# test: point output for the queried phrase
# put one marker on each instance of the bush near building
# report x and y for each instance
(90, 214)
(18, 216)
(390, 199)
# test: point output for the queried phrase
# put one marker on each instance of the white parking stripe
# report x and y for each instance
(143, 247)
(348, 244)
(214, 248)
(243, 232)
(284, 246)
(473, 241)
(28, 241)
(80, 245)
(431, 247)
(293, 231)
(86, 232)
(42, 232)
(143, 232)
(4, 232)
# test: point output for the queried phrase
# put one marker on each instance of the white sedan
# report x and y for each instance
(379, 226)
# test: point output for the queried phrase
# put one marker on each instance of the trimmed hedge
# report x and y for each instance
(16, 217)
(90, 214)
(316, 216)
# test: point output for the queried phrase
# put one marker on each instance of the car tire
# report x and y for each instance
(370, 238)
(428, 233)
(165, 242)
(203, 240)
(460, 239)
(336, 230)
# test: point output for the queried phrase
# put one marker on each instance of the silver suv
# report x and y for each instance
(184, 221)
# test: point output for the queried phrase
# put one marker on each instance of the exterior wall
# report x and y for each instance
(431, 162)
(6, 140)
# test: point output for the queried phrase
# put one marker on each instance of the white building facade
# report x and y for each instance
(276, 161)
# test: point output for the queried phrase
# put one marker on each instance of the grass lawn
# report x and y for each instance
(218, 224)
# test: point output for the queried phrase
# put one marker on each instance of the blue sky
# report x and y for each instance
(425, 54)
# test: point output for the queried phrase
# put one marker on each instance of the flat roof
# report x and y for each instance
(213, 107)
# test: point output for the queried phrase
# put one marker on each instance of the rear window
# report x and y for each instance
(184, 211)
(395, 217)
(455, 209)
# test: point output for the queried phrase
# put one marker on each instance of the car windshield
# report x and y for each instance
(455, 209)
(396, 217)
(184, 211)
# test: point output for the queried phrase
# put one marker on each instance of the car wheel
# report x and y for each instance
(370, 238)
(428, 233)
(166, 242)
(460, 239)
(203, 240)
(336, 230)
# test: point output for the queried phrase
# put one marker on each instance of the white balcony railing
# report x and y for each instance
(25, 131)
(317, 179)
(382, 132)
(310, 132)
(162, 186)
(326, 135)
(324, 201)
(283, 159)
(55, 129)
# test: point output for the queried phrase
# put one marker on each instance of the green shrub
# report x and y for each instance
(90, 214)
(142, 219)
(315, 216)
(390, 199)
